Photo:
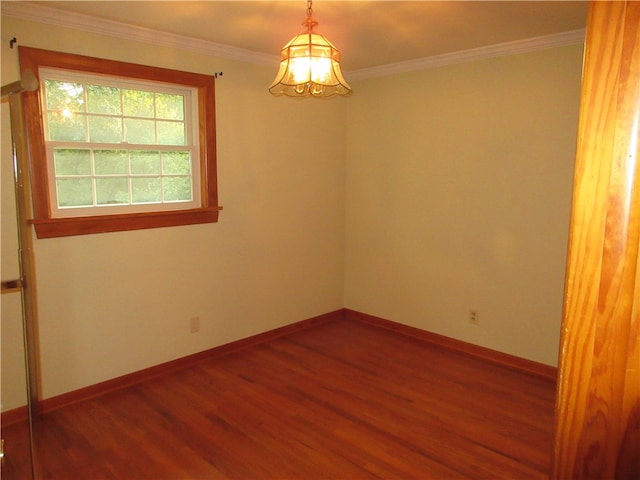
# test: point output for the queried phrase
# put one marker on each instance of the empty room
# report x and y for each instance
(429, 271)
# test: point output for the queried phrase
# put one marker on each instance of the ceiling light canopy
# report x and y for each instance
(309, 66)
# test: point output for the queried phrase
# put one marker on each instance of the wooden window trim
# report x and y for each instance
(47, 226)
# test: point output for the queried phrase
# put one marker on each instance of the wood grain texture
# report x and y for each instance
(59, 401)
(508, 361)
(342, 399)
(598, 408)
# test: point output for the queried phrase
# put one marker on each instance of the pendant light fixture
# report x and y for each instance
(309, 65)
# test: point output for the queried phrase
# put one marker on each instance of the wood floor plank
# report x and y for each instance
(342, 399)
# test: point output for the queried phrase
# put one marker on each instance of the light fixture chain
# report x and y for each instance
(309, 9)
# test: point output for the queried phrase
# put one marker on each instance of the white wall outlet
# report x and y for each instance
(474, 317)
(194, 324)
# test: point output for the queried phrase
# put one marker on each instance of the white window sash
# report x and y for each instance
(191, 140)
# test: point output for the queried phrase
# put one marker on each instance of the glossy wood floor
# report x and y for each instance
(340, 400)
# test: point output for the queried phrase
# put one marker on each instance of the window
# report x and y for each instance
(117, 146)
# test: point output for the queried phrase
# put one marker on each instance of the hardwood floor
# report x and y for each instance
(340, 400)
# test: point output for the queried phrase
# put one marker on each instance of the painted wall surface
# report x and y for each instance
(459, 183)
(456, 183)
(111, 304)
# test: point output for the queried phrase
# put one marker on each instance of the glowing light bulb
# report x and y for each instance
(300, 67)
(320, 69)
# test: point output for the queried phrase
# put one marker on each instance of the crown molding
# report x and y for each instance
(91, 24)
(87, 23)
(508, 48)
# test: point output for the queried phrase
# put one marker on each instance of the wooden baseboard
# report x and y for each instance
(134, 378)
(529, 367)
(92, 391)
(13, 416)
(509, 361)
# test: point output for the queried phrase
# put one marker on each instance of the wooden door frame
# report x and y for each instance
(598, 403)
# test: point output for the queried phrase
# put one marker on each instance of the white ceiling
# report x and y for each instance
(368, 33)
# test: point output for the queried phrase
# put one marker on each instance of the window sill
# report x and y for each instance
(63, 227)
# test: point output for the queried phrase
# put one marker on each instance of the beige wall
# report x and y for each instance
(456, 183)
(458, 194)
(111, 304)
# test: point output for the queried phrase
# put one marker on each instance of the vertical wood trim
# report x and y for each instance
(598, 403)
(26, 258)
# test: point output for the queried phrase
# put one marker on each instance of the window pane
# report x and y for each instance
(111, 162)
(66, 128)
(176, 189)
(72, 162)
(138, 103)
(140, 131)
(145, 163)
(170, 107)
(171, 133)
(105, 129)
(105, 100)
(112, 190)
(146, 190)
(74, 192)
(176, 163)
(64, 96)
